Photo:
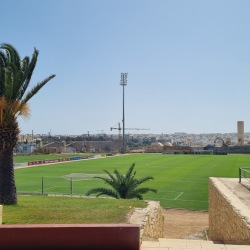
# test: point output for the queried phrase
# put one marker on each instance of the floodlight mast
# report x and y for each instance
(123, 82)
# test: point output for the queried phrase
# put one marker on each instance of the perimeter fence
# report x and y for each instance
(72, 184)
(244, 177)
(68, 184)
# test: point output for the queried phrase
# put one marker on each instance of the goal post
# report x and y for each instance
(203, 152)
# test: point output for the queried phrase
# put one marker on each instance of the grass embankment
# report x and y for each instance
(68, 210)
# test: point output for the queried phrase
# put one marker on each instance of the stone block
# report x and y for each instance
(229, 211)
(150, 220)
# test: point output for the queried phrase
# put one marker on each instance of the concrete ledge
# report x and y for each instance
(1, 214)
(70, 236)
(229, 211)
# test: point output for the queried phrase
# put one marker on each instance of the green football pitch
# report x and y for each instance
(181, 180)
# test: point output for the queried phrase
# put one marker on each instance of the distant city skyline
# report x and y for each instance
(187, 62)
(179, 139)
(54, 133)
(138, 134)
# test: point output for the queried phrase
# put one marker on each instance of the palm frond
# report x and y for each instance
(118, 175)
(145, 190)
(13, 64)
(110, 175)
(25, 64)
(107, 181)
(131, 179)
(16, 78)
(24, 110)
(124, 186)
(144, 179)
(10, 62)
(34, 90)
(100, 194)
(139, 192)
(8, 83)
(13, 54)
(3, 64)
(138, 196)
(3, 59)
(130, 170)
(28, 73)
(103, 191)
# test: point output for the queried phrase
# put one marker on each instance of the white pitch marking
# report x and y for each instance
(160, 179)
(170, 191)
(28, 177)
(50, 187)
(174, 199)
(179, 195)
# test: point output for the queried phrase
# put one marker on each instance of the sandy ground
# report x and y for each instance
(185, 224)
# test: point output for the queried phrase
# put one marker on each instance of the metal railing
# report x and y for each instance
(245, 174)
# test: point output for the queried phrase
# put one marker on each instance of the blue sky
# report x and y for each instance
(188, 63)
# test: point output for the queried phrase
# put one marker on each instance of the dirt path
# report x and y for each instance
(185, 224)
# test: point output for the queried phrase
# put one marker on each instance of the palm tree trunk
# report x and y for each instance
(8, 140)
(8, 194)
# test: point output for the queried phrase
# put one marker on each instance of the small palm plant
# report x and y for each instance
(124, 186)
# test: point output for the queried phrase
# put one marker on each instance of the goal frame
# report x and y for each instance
(84, 176)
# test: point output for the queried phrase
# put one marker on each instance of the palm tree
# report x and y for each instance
(124, 186)
(15, 76)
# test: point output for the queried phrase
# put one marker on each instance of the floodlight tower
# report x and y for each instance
(123, 82)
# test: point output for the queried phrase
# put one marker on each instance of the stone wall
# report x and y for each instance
(229, 211)
(153, 150)
(1, 214)
(150, 220)
(160, 149)
(231, 150)
(177, 149)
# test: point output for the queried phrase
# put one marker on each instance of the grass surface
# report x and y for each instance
(21, 159)
(67, 210)
(181, 180)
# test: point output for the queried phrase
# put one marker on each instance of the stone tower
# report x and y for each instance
(240, 125)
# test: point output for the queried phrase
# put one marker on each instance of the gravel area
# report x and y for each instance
(185, 224)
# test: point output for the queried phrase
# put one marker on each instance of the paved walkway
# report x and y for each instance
(171, 244)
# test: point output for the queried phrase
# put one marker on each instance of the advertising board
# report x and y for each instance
(48, 161)
(20, 164)
(76, 158)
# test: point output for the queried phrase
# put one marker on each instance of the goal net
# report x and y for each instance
(84, 176)
(203, 152)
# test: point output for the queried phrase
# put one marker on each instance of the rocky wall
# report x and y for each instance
(150, 220)
(229, 215)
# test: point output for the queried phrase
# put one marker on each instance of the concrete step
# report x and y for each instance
(179, 244)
